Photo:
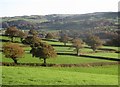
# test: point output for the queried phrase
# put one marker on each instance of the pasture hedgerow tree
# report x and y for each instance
(49, 36)
(12, 32)
(114, 41)
(43, 51)
(94, 42)
(32, 40)
(33, 32)
(13, 51)
(64, 39)
(78, 44)
(22, 35)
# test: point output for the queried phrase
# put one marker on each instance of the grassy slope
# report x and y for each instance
(71, 76)
(62, 58)
(60, 76)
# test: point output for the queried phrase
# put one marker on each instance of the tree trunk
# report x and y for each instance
(11, 39)
(77, 52)
(45, 62)
(21, 39)
(65, 44)
(94, 49)
(15, 60)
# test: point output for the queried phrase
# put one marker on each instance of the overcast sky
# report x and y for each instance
(43, 7)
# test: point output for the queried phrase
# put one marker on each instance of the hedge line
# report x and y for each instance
(61, 65)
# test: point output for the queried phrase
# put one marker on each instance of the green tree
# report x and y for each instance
(78, 44)
(12, 32)
(94, 42)
(13, 51)
(43, 51)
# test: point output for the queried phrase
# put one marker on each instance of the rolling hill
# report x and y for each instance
(63, 21)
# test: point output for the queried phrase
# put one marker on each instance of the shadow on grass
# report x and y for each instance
(62, 45)
(50, 40)
(60, 86)
(88, 56)
(2, 40)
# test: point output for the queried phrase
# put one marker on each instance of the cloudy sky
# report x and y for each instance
(44, 7)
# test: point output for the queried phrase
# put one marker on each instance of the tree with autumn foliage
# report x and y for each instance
(49, 36)
(22, 35)
(33, 32)
(78, 44)
(94, 42)
(13, 51)
(43, 51)
(114, 41)
(12, 32)
(32, 40)
(64, 39)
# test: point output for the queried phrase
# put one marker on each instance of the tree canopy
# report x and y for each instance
(94, 41)
(49, 36)
(33, 32)
(13, 51)
(43, 51)
(78, 44)
(12, 32)
(64, 39)
(22, 35)
(32, 40)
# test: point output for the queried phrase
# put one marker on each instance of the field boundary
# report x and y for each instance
(89, 56)
(61, 65)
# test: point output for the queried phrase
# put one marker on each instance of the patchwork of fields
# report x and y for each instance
(24, 75)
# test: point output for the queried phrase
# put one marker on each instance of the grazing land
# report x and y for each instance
(25, 75)
(78, 41)
(60, 76)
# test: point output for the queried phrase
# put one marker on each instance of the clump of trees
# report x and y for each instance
(13, 51)
(78, 44)
(94, 42)
(43, 51)
(15, 32)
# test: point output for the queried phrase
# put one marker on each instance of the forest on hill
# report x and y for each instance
(104, 20)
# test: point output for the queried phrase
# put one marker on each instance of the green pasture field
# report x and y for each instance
(57, 43)
(67, 59)
(106, 75)
(60, 59)
(24, 75)
(108, 55)
(8, 38)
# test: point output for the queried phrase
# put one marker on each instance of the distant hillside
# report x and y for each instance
(104, 20)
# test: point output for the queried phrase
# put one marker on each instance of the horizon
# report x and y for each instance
(58, 14)
(11, 8)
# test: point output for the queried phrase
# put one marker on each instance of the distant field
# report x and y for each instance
(60, 76)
